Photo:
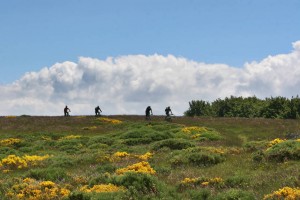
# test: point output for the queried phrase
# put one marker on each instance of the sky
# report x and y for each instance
(127, 54)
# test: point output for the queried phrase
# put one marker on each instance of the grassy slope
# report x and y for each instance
(258, 178)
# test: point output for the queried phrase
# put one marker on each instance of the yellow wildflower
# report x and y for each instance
(284, 193)
(9, 141)
(141, 167)
(108, 120)
(32, 189)
(102, 188)
(195, 129)
(216, 180)
(16, 162)
(189, 180)
(145, 156)
(204, 184)
(68, 137)
(48, 184)
(275, 141)
(121, 154)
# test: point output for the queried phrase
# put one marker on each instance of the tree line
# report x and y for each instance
(249, 107)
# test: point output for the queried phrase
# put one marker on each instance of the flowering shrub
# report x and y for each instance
(284, 193)
(68, 137)
(78, 179)
(16, 162)
(282, 151)
(121, 154)
(141, 167)
(275, 141)
(9, 141)
(145, 156)
(108, 120)
(193, 129)
(189, 180)
(201, 133)
(32, 189)
(203, 182)
(102, 188)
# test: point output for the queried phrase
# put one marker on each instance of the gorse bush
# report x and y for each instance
(287, 150)
(255, 145)
(204, 159)
(144, 135)
(234, 194)
(174, 143)
(196, 157)
(137, 183)
(32, 189)
(284, 193)
(51, 174)
(201, 133)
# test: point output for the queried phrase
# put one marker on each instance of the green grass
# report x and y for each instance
(81, 153)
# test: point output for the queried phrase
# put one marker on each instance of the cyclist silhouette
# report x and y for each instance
(66, 111)
(168, 111)
(148, 111)
(97, 111)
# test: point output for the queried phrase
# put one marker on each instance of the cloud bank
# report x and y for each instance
(127, 84)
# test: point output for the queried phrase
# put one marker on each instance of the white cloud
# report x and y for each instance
(127, 84)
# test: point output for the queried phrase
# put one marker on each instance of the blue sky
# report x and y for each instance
(127, 54)
(35, 34)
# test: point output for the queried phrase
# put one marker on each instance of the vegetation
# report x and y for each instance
(126, 157)
(249, 107)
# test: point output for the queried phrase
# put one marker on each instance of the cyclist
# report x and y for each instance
(97, 111)
(148, 111)
(66, 111)
(168, 111)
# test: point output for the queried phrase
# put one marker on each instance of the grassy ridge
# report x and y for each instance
(190, 158)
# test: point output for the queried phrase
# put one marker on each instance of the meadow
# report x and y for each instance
(126, 157)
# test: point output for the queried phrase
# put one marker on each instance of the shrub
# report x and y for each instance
(100, 139)
(284, 193)
(137, 183)
(237, 180)
(234, 194)
(32, 189)
(204, 158)
(51, 174)
(255, 145)
(137, 141)
(71, 146)
(144, 136)
(287, 150)
(258, 156)
(195, 156)
(172, 144)
(102, 178)
(201, 194)
(61, 162)
(106, 167)
(79, 196)
(141, 167)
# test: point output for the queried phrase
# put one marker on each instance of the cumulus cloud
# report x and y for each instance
(127, 84)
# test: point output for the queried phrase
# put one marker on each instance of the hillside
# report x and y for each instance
(126, 157)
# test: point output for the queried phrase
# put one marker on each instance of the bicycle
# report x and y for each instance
(168, 118)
